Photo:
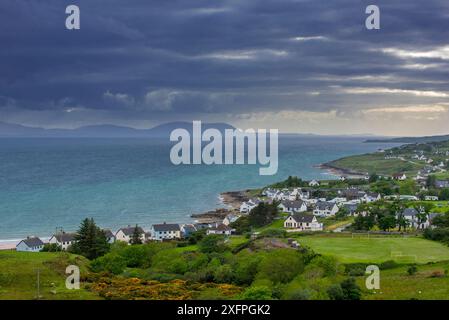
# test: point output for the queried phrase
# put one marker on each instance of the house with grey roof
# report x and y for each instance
(302, 222)
(221, 229)
(442, 184)
(165, 231)
(414, 218)
(63, 239)
(293, 206)
(126, 234)
(325, 209)
(109, 235)
(30, 244)
(187, 230)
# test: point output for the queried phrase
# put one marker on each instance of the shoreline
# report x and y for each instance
(336, 171)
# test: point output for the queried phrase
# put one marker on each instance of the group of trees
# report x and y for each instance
(440, 232)
(260, 216)
(387, 215)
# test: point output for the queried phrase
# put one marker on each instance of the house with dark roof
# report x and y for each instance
(442, 184)
(126, 234)
(63, 239)
(293, 206)
(302, 222)
(221, 229)
(415, 219)
(30, 244)
(325, 209)
(351, 208)
(109, 235)
(165, 231)
(187, 230)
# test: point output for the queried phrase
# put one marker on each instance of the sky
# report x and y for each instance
(304, 66)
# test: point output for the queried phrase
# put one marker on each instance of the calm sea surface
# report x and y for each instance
(51, 183)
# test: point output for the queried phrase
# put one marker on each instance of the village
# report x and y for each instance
(302, 209)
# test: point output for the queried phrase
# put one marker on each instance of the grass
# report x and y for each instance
(377, 250)
(396, 284)
(18, 276)
(376, 163)
(333, 223)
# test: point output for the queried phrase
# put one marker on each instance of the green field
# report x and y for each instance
(376, 163)
(18, 276)
(396, 284)
(376, 250)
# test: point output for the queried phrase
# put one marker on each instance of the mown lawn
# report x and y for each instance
(376, 250)
(18, 276)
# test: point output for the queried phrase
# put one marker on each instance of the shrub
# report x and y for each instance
(335, 292)
(299, 294)
(412, 270)
(389, 264)
(257, 293)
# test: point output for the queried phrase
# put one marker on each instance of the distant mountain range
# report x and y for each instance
(9, 130)
(412, 139)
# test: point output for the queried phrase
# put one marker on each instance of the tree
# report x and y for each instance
(444, 194)
(335, 292)
(257, 293)
(263, 214)
(136, 236)
(373, 178)
(90, 240)
(212, 243)
(431, 181)
(387, 222)
(351, 290)
(365, 223)
(51, 247)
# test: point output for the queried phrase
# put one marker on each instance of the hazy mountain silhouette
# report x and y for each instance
(101, 131)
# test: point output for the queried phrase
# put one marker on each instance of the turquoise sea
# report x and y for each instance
(52, 183)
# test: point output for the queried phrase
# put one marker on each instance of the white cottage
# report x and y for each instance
(30, 244)
(126, 234)
(64, 240)
(303, 222)
(293, 206)
(165, 231)
(325, 209)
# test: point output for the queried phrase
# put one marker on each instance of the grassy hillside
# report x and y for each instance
(377, 250)
(396, 284)
(376, 163)
(18, 276)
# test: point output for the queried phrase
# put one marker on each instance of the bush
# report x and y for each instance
(281, 266)
(335, 292)
(257, 293)
(412, 270)
(112, 263)
(346, 290)
(355, 269)
(299, 294)
(389, 264)
(212, 243)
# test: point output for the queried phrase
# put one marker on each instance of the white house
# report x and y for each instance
(400, 176)
(165, 231)
(64, 240)
(109, 235)
(30, 244)
(187, 230)
(249, 205)
(325, 209)
(221, 229)
(411, 215)
(126, 234)
(230, 218)
(371, 197)
(302, 222)
(314, 183)
(293, 206)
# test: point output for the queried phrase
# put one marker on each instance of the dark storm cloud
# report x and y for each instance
(162, 60)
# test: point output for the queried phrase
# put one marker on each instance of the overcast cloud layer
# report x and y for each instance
(300, 66)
